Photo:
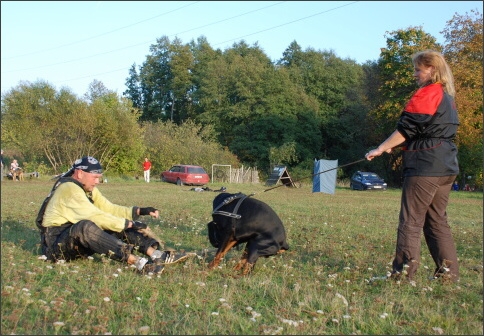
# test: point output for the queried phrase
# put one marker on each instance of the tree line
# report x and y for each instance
(191, 103)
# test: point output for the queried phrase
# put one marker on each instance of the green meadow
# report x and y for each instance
(319, 286)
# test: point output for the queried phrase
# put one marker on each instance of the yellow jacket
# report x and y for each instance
(71, 204)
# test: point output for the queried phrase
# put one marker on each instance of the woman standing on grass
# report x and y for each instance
(426, 128)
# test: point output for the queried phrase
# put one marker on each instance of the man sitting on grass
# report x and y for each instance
(76, 221)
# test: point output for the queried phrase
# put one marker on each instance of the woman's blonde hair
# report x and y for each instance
(442, 72)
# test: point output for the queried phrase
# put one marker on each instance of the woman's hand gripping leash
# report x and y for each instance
(376, 152)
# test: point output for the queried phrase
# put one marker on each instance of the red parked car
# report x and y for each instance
(186, 174)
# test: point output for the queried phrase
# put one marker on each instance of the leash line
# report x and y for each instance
(325, 171)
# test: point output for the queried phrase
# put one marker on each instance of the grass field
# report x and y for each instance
(320, 286)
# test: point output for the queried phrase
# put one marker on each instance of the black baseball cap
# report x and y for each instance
(87, 164)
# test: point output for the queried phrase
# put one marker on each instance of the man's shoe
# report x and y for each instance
(152, 268)
(171, 257)
(143, 267)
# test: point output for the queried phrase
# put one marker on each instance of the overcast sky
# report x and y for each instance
(71, 43)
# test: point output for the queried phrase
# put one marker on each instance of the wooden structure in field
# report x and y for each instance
(279, 173)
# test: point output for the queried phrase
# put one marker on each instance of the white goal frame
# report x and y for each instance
(221, 165)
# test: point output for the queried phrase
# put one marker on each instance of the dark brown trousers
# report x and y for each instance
(423, 207)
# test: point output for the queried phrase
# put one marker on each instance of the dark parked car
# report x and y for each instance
(367, 181)
(186, 174)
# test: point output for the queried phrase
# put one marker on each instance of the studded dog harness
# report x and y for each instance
(240, 197)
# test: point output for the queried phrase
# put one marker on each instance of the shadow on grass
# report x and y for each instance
(22, 235)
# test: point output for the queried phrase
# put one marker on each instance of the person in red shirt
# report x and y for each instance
(146, 170)
(426, 128)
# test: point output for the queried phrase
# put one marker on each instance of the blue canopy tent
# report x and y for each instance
(323, 180)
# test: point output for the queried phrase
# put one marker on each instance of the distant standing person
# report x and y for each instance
(146, 170)
(426, 128)
(1, 162)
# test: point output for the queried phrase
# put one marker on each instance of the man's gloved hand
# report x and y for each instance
(137, 225)
(146, 211)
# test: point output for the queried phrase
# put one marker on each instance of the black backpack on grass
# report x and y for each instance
(40, 215)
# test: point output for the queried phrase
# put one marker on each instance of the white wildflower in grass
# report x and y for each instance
(438, 330)
(222, 300)
(335, 321)
(87, 311)
(384, 315)
(215, 313)
(56, 303)
(255, 314)
(25, 289)
(330, 285)
(249, 308)
(42, 257)
(187, 305)
(138, 298)
(342, 298)
(199, 283)
(106, 299)
(144, 330)
(115, 275)
(58, 324)
(290, 322)
(49, 267)
(225, 286)
(319, 311)
(277, 331)
(426, 267)
(370, 269)
(42, 301)
(346, 316)
(347, 268)
(60, 262)
(347, 281)
(253, 319)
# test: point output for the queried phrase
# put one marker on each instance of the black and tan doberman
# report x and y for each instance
(238, 219)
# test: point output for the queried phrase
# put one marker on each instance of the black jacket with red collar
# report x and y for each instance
(429, 124)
